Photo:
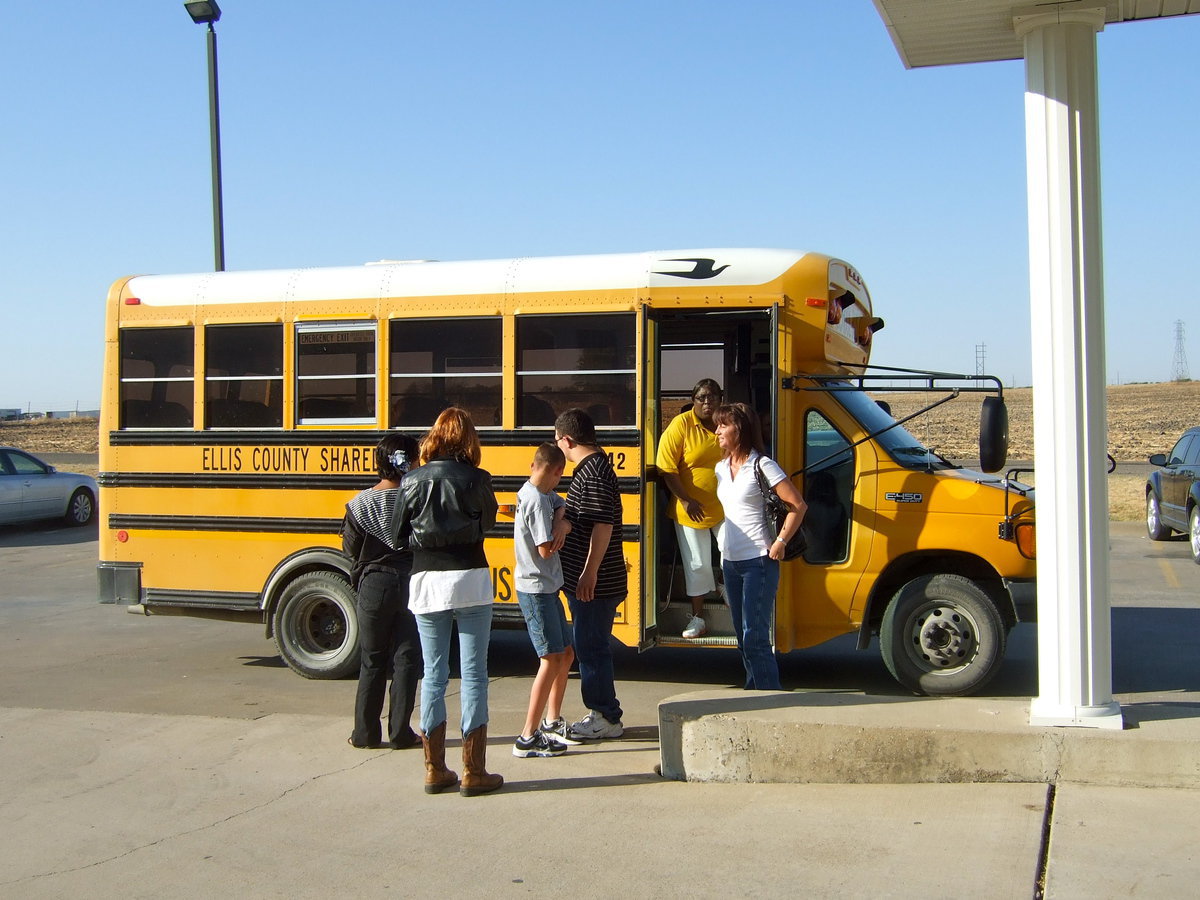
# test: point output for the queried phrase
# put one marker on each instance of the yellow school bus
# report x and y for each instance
(240, 411)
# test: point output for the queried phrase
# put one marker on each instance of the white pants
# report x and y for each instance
(695, 552)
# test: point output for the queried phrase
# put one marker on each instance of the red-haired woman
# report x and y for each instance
(443, 510)
(750, 552)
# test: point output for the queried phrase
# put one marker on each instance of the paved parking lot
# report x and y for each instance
(164, 757)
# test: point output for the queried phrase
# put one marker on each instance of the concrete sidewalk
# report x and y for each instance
(134, 805)
(851, 738)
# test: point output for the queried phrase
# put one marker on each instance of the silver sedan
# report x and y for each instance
(31, 490)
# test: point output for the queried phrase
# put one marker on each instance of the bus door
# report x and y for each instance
(817, 591)
(736, 347)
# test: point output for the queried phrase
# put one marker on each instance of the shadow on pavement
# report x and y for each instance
(47, 534)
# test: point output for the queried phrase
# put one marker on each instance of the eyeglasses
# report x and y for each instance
(708, 398)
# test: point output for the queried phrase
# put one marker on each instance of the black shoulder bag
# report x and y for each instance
(777, 511)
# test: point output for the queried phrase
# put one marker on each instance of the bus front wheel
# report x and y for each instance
(942, 636)
(316, 627)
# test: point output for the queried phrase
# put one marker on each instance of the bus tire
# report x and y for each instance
(316, 626)
(942, 636)
(81, 509)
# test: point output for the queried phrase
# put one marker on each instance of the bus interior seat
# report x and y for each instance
(536, 411)
(153, 414)
(600, 414)
(414, 411)
(326, 408)
(241, 414)
(826, 520)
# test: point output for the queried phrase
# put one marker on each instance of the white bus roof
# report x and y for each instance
(720, 267)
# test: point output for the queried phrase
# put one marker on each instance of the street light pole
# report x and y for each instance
(206, 12)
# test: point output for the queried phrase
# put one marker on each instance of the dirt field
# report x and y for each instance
(1142, 419)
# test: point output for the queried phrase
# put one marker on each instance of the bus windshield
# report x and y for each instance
(899, 443)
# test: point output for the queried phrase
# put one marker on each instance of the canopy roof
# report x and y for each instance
(945, 32)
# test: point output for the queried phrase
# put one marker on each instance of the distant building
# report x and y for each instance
(74, 414)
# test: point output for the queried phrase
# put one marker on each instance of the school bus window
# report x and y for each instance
(156, 377)
(335, 373)
(584, 361)
(436, 363)
(243, 376)
(827, 489)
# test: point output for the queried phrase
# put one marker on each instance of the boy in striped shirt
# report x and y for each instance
(594, 576)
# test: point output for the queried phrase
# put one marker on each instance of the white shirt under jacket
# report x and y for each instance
(744, 533)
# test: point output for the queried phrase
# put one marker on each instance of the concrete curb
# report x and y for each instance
(849, 738)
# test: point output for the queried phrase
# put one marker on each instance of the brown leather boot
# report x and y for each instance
(437, 777)
(476, 779)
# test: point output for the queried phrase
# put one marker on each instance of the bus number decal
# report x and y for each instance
(617, 459)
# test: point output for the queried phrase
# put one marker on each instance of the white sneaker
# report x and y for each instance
(557, 730)
(538, 745)
(594, 727)
(695, 628)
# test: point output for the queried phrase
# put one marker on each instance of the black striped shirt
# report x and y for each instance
(594, 498)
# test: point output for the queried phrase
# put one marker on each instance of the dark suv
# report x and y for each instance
(1173, 495)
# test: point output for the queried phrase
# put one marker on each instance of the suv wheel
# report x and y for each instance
(1194, 533)
(1154, 524)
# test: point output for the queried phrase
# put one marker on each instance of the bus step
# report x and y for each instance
(709, 640)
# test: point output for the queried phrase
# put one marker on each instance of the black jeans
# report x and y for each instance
(390, 646)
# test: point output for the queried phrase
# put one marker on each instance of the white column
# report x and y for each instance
(1070, 431)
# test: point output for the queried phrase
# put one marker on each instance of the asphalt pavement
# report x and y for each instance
(125, 773)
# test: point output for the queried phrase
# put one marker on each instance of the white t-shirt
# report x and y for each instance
(534, 526)
(744, 533)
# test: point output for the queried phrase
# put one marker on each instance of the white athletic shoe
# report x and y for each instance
(594, 727)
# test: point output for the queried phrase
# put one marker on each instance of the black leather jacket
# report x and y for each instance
(443, 510)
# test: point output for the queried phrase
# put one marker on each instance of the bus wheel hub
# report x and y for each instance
(944, 637)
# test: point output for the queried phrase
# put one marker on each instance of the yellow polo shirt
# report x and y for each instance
(691, 451)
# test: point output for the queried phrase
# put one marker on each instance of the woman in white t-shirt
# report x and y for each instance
(750, 553)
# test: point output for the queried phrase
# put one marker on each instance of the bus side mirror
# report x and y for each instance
(993, 434)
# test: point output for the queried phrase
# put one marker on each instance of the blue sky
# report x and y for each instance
(365, 129)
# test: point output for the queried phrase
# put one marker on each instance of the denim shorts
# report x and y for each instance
(547, 622)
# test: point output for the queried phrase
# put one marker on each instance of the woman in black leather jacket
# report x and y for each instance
(443, 511)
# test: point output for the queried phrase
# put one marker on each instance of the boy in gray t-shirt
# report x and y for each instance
(538, 533)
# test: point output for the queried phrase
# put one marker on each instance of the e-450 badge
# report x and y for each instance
(904, 497)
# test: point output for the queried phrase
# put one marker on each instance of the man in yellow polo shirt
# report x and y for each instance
(687, 455)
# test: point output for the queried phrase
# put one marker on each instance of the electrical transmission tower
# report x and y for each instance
(980, 362)
(1179, 365)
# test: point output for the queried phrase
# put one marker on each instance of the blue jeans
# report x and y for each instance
(593, 624)
(750, 586)
(474, 633)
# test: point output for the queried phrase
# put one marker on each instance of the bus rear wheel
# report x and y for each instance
(316, 626)
(942, 636)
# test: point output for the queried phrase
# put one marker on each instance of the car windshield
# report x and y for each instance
(905, 449)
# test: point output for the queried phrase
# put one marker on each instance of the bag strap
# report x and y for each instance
(763, 487)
